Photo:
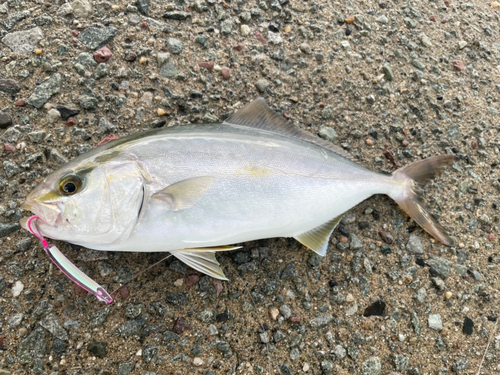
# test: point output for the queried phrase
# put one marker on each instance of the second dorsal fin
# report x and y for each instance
(257, 114)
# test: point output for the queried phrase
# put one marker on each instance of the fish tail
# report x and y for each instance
(415, 176)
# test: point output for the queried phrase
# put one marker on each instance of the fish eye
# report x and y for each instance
(70, 184)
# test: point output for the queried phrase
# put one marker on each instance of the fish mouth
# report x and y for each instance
(49, 213)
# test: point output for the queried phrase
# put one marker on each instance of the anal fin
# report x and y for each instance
(317, 239)
(203, 259)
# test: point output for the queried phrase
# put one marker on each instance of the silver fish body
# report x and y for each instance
(206, 186)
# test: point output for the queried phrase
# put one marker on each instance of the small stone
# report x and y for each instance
(375, 309)
(178, 299)
(440, 266)
(285, 311)
(10, 85)
(21, 42)
(435, 322)
(328, 133)
(414, 245)
(349, 20)
(226, 73)
(459, 65)
(321, 321)
(448, 295)
(461, 365)
(98, 349)
(175, 46)
(143, 6)
(149, 352)
(177, 15)
(383, 20)
(356, 243)
(192, 280)
(169, 70)
(327, 367)
(339, 352)
(81, 8)
(262, 85)
(45, 90)
(462, 44)
(8, 228)
(32, 346)
(468, 326)
(401, 362)
(206, 64)
(352, 310)
(5, 120)
(102, 55)
(51, 324)
(245, 30)
(371, 366)
(65, 112)
(421, 296)
(306, 48)
(426, 42)
(274, 312)
(197, 361)
(96, 37)
(418, 64)
(389, 75)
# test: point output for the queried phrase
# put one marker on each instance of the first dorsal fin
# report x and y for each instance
(257, 114)
(317, 239)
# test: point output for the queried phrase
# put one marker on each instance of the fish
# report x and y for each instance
(194, 190)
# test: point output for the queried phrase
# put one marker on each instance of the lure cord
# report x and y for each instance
(140, 273)
(35, 231)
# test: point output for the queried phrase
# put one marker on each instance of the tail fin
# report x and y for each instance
(418, 174)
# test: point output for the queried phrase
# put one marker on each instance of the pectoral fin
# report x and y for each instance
(203, 259)
(184, 194)
(317, 238)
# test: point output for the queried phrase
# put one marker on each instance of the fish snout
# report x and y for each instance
(49, 213)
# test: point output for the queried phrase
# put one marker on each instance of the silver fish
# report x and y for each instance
(196, 189)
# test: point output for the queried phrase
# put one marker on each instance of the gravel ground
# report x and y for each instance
(390, 81)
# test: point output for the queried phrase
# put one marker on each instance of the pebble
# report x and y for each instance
(51, 324)
(175, 46)
(10, 86)
(262, 85)
(321, 321)
(226, 73)
(45, 90)
(96, 37)
(414, 245)
(197, 361)
(383, 20)
(371, 366)
(306, 48)
(274, 312)
(462, 44)
(97, 348)
(102, 55)
(435, 322)
(177, 15)
(468, 326)
(245, 30)
(22, 42)
(328, 133)
(143, 6)
(5, 120)
(32, 346)
(440, 266)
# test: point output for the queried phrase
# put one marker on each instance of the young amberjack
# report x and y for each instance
(193, 190)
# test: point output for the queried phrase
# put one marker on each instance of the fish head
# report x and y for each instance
(89, 202)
